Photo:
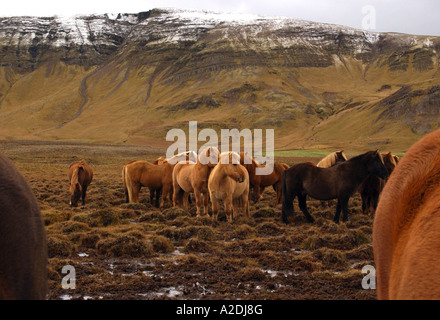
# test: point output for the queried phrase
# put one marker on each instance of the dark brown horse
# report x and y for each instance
(23, 248)
(406, 228)
(80, 177)
(372, 186)
(337, 182)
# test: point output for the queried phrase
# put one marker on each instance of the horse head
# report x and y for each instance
(210, 156)
(340, 156)
(230, 162)
(376, 165)
(159, 160)
(389, 161)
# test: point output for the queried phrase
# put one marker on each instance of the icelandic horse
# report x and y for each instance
(406, 227)
(80, 177)
(229, 182)
(193, 177)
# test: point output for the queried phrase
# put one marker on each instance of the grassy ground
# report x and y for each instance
(135, 251)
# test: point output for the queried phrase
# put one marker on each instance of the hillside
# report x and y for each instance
(129, 78)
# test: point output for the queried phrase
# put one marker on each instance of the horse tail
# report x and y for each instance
(128, 185)
(124, 183)
(287, 199)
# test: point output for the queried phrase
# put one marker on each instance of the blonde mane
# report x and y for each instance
(330, 160)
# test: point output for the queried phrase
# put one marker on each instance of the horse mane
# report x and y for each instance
(389, 157)
(190, 157)
(366, 155)
(204, 152)
(328, 161)
(74, 181)
(159, 160)
(229, 154)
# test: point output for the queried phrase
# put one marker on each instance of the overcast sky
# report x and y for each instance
(407, 16)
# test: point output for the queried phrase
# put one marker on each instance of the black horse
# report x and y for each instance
(338, 182)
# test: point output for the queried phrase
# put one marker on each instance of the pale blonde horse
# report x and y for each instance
(332, 159)
(193, 177)
(229, 182)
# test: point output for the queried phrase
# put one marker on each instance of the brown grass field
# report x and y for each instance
(134, 251)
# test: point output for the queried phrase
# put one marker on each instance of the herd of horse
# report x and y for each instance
(406, 239)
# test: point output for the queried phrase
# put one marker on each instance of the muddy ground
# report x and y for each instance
(135, 251)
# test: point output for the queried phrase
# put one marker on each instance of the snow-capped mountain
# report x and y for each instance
(179, 64)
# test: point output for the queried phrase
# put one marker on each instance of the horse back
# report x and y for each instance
(23, 248)
(83, 170)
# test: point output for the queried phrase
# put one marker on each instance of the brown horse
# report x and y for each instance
(154, 193)
(193, 177)
(229, 182)
(80, 177)
(372, 186)
(259, 182)
(138, 174)
(337, 182)
(332, 159)
(23, 248)
(406, 236)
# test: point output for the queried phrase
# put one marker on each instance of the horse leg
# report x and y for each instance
(176, 198)
(214, 208)
(136, 190)
(228, 209)
(375, 202)
(303, 206)
(345, 210)
(198, 197)
(151, 195)
(287, 209)
(245, 206)
(235, 207)
(364, 203)
(256, 193)
(83, 195)
(165, 196)
(184, 200)
(277, 188)
(338, 212)
(157, 200)
(205, 203)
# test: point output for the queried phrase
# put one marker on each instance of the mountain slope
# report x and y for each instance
(129, 78)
